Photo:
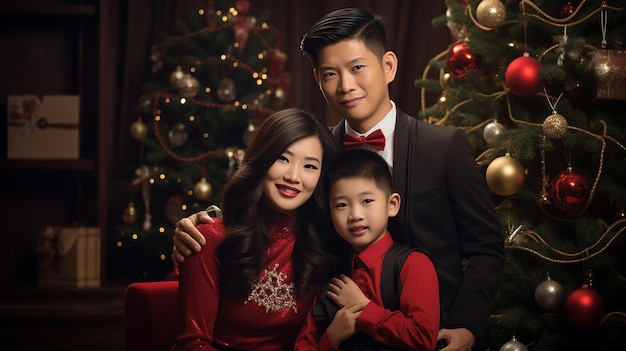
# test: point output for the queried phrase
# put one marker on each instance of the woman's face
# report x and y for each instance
(293, 177)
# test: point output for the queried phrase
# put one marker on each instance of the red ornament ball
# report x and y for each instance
(460, 59)
(569, 192)
(584, 308)
(522, 76)
(568, 9)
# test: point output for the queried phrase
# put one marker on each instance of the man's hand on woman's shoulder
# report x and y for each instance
(187, 239)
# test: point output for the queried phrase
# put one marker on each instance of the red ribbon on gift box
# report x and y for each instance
(52, 261)
(28, 117)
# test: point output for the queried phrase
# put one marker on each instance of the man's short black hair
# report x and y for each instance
(347, 23)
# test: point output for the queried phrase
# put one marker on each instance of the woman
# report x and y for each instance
(251, 286)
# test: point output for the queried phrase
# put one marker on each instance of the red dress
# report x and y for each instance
(268, 319)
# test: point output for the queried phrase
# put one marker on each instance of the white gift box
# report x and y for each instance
(69, 256)
(43, 126)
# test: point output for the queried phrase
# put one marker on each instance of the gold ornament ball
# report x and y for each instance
(138, 129)
(130, 213)
(445, 79)
(554, 126)
(505, 176)
(491, 13)
(176, 75)
(203, 190)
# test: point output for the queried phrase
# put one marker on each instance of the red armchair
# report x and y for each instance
(150, 316)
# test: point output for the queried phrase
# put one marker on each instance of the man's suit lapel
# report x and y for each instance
(338, 131)
(402, 143)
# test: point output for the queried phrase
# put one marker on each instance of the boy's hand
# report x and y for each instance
(343, 324)
(187, 238)
(344, 291)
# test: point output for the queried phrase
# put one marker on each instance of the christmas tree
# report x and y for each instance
(215, 77)
(540, 88)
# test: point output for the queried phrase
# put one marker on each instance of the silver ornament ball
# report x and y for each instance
(249, 134)
(226, 90)
(602, 66)
(178, 135)
(548, 294)
(187, 86)
(513, 345)
(492, 131)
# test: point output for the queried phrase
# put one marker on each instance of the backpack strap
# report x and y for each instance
(390, 284)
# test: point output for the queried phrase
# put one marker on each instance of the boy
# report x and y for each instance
(447, 209)
(360, 201)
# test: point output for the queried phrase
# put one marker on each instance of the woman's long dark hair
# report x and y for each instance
(242, 253)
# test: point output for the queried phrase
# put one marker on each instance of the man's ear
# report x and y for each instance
(316, 75)
(393, 204)
(390, 65)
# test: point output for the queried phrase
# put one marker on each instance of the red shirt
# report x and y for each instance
(268, 319)
(413, 327)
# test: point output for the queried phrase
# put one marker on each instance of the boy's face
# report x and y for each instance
(355, 81)
(360, 211)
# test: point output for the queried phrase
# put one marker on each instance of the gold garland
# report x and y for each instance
(582, 256)
(562, 21)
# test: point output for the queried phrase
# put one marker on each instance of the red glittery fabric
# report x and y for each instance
(268, 319)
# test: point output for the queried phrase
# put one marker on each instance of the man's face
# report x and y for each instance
(355, 81)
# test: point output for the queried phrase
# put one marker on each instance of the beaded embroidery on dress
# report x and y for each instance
(271, 292)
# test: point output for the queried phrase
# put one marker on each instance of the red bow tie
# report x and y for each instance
(376, 139)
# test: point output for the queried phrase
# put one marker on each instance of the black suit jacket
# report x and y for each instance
(446, 209)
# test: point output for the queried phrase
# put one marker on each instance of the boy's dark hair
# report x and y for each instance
(359, 163)
(347, 23)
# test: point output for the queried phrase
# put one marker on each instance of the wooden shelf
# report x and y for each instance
(60, 47)
(43, 318)
(49, 165)
(48, 10)
(51, 303)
